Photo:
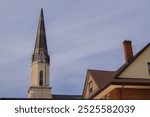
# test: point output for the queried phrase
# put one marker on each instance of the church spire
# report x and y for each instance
(39, 84)
(41, 43)
(40, 50)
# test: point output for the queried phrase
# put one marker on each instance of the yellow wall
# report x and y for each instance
(35, 90)
(95, 87)
(139, 68)
(36, 68)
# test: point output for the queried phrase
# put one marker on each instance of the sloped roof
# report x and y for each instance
(104, 78)
(131, 81)
(124, 66)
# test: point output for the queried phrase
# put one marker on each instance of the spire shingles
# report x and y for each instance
(41, 44)
(40, 50)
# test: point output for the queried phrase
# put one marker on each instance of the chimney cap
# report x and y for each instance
(127, 41)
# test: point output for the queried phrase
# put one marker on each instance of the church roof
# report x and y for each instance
(41, 35)
(54, 97)
(66, 97)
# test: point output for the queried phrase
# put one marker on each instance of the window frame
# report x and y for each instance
(148, 64)
(41, 78)
(90, 87)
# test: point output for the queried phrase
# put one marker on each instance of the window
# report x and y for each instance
(41, 78)
(149, 67)
(90, 87)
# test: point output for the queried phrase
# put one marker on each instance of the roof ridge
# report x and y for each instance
(100, 70)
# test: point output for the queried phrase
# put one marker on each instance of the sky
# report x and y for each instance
(81, 35)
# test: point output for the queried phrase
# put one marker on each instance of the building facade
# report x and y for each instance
(130, 81)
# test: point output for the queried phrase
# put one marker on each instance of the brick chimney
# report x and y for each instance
(127, 45)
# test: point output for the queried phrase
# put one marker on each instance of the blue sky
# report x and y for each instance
(81, 35)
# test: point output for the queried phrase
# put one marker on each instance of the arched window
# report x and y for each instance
(41, 78)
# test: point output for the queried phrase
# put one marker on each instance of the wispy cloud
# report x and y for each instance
(80, 34)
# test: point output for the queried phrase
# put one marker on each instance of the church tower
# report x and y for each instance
(39, 83)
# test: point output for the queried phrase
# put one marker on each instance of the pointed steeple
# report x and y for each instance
(40, 50)
(41, 43)
(39, 84)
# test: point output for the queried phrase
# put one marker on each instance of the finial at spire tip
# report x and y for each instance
(41, 9)
(41, 14)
